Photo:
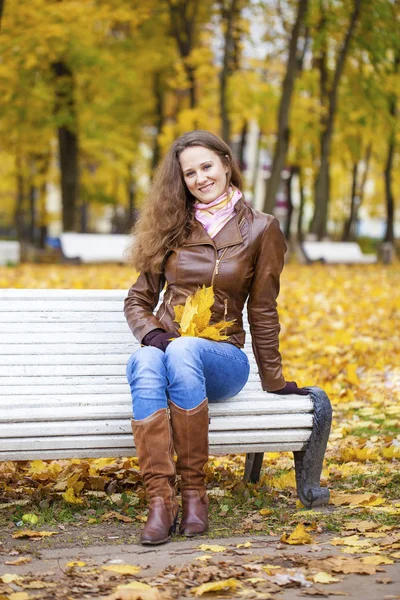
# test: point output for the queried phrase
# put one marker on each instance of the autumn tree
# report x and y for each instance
(283, 132)
(329, 99)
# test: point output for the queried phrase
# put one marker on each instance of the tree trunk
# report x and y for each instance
(242, 146)
(183, 27)
(68, 143)
(256, 167)
(349, 226)
(2, 3)
(300, 236)
(226, 70)
(159, 120)
(283, 133)
(19, 208)
(357, 196)
(289, 215)
(131, 189)
(389, 233)
(322, 184)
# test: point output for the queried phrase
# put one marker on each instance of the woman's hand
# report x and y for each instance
(291, 388)
(159, 338)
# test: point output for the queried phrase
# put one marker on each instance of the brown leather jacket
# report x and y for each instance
(243, 261)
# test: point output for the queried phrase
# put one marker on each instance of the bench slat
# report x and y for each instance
(113, 328)
(67, 349)
(67, 316)
(73, 305)
(116, 451)
(65, 359)
(54, 294)
(64, 380)
(112, 425)
(242, 404)
(105, 441)
(24, 372)
(67, 389)
(71, 337)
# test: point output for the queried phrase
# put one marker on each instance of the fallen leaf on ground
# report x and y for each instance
(211, 548)
(116, 515)
(298, 536)
(122, 569)
(376, 559)
(323, 577)
(339, 499)
(22, 560)
(10, 578)
(216, 586)
(29, 533)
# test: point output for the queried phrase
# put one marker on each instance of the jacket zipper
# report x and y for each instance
(166, 305)
(217, 263)
(225, 314)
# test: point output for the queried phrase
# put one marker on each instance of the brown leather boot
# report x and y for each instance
(190, 434)
(154, 447)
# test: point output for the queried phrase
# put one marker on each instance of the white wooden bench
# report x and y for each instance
(9, 252)
(93, 247)
(64, 391)
(336, 252)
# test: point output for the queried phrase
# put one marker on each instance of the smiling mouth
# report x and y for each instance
(206, 188)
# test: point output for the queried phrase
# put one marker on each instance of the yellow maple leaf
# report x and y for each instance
(122, 569)
(216, 586)
(33, 534)
(213, 332)
(194, 317)
(189, 312)
(350, 540)
(323, 577)
(211, 548)
(178, 311)
(69, 496)
(298, 536)
(376, 559)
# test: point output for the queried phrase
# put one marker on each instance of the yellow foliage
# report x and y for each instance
(194, 317)
(216, 586)
(298, 536)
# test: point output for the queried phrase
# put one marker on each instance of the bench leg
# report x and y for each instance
(308, 463)
(252, 467)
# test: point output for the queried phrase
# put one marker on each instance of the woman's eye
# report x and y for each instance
(207, 166)
(189, 174)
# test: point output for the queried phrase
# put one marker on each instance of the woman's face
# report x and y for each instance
(204, 173)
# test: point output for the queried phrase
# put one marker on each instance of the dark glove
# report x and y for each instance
(159, 338)
(291, 388)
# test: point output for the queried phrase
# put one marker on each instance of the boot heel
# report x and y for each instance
(174, 525)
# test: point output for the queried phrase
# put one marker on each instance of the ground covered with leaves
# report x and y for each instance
(340, 332)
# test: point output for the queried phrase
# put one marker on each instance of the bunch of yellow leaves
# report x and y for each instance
(194, 317)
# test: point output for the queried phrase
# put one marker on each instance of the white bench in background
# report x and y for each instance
(9, 252)
(64, 392)
(94, 247)
(336, 252)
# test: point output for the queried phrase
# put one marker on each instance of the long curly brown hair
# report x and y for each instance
(166, 219)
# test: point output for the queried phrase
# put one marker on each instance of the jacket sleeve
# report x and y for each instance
(262, 307)
(140, 303)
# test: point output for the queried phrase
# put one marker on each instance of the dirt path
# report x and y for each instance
(78, 570)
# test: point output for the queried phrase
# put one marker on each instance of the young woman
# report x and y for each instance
(196, 230)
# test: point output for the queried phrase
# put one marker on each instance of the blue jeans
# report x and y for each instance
(190, 370)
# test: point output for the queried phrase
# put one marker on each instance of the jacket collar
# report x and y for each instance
(229, 235)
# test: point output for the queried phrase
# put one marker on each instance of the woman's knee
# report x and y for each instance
(181, 345)
(145, 356)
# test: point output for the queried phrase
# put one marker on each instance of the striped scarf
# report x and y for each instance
(215, 214)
